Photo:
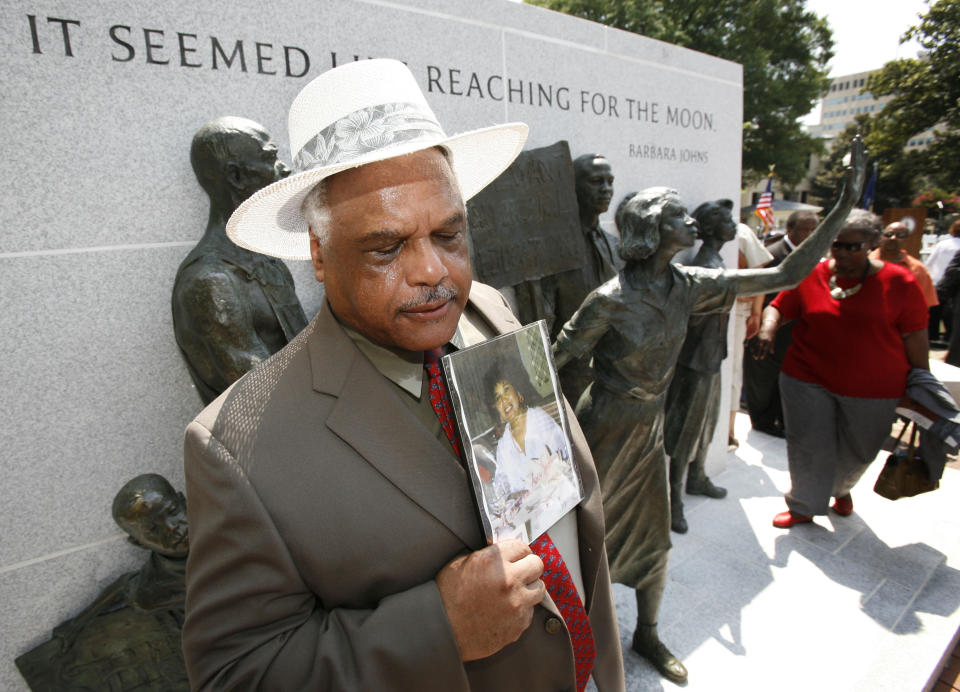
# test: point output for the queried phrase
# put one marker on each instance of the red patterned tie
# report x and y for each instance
(556, 577)
(560, 586)
(439, 398)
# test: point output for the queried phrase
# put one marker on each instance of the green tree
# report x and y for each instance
(926, 93)
(784, 50)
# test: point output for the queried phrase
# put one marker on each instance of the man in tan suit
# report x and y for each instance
(335, 543)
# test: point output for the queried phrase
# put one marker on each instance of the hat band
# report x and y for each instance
(368, 129)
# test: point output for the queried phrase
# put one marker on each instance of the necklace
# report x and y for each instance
(838, 293)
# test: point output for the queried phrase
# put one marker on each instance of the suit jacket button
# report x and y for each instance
(553, 625)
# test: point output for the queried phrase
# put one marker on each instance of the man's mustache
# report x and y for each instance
(433, 294)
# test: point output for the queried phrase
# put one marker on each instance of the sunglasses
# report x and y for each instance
(848, 247)
(896, 234)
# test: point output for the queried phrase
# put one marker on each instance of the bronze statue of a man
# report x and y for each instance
(563, 293)
(232, 308)
(129, 636)
(693, 400)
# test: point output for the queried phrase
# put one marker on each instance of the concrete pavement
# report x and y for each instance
(865, 602)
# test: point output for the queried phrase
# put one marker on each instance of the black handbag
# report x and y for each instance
(904, 474)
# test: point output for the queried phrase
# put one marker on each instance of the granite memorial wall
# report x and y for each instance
(100, 101)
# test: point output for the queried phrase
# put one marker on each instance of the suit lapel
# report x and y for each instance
(372, 419)
(492, 308)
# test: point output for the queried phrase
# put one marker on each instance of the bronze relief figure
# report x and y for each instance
(128, 638)
(232, 308)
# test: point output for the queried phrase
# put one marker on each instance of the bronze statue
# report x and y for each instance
(232, 308)
(634, 325)
(129, 637)
(563, 293)
(693, 400)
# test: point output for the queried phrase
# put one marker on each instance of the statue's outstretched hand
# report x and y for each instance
(855, 174)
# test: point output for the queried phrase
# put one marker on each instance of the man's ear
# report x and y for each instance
(236, 175)
(316, 256)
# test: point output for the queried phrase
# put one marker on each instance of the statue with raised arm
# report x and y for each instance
(128, 638)
(232, 308)
(633, 325)
(693, 400)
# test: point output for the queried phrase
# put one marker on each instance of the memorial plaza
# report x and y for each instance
(865, 602)
(109, 197)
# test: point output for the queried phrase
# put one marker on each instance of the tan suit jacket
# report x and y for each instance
(320, 512)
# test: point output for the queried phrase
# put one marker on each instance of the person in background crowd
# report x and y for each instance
(751, 254)
(948, 289)
(861, 327)
(941, 255)
(761, 376)
(891, 249)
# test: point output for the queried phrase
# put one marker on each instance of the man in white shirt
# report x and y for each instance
(937, 264)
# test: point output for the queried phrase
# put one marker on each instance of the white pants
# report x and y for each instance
(740, 314)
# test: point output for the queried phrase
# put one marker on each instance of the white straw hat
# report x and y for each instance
(358, 113)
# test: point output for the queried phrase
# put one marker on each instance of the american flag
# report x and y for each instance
(765, 206)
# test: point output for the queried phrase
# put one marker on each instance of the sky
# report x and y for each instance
(866, 34)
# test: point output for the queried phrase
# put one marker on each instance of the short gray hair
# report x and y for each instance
(317, 212)
(864, 221)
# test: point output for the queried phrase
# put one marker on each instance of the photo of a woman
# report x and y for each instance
(533, 466)
(506, 400)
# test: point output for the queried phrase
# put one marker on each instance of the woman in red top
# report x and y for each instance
(861, 326)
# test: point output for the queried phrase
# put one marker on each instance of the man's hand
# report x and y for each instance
(764, 343)
(753, 326)
(489, 596)
(762, 346)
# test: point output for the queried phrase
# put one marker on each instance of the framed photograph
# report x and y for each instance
(515, 434)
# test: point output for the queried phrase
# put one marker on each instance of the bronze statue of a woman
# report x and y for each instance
(633, 325)
(693, 400)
